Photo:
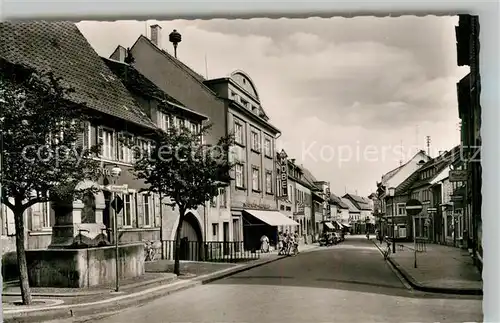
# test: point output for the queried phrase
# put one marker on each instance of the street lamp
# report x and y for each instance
(392, 192)
(115, 174)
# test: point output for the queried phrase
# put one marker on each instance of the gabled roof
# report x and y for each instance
(309, 177)
(338, 201)
(141, 85)
(439, 164)
(362, 203)
(60, 47)
(186, 68)
(393, 172)
(350, 205)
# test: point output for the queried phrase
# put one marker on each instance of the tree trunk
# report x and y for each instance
(21, 257)
(177, 269)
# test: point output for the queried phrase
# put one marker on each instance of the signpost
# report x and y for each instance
(117, 206)
(413, 208)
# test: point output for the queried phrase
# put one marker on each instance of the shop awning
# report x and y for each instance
(272, 218)
(340, 224)
(329, 225)
(347, 225)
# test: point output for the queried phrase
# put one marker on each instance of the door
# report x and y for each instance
(225, 237)
(236, 235)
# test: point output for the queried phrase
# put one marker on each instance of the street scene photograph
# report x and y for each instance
(241, 170)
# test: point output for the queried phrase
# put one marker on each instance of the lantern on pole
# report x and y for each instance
(175, 38)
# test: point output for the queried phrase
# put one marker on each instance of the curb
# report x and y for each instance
(161, 280)
(430, 289)
(83, 312)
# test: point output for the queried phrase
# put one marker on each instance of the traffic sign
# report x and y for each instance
(117, 188)
(117, 204)
(413, 207)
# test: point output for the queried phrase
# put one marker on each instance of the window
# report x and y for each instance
(282, 207)
(255, 140)
(401, 207)
(269, 182)
(426, 196)
(144, 147)
(215, 230)
(128, 210)
(163, 121)
(87, 135)
(181, 123)
(267, 147)
(146, 205)
(289, 208)
(223, 198)
(125, 153)
(193, 128)
(213, 202)
(244, 103)
(106, 138)
(41, 212)
(238, 133)
(255, 178)
(239, 175)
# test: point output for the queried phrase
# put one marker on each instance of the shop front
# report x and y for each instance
(258, 223)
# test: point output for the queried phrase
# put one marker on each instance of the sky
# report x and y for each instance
(353, 97)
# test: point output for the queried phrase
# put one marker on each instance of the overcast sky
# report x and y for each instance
(345, 92)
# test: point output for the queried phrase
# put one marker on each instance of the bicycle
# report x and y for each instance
(151, 250)
(387, 250)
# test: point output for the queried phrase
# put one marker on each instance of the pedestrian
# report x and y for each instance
(264, 244)
(296, 242)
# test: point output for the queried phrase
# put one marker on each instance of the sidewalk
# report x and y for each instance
(66, 303)
(440, 269)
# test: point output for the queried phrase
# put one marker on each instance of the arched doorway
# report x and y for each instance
(191, 239)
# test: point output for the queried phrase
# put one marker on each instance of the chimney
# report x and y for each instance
(156, 35)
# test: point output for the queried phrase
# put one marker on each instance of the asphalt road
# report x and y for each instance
(349, 282)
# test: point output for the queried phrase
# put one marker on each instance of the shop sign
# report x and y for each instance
(458, 175)
(283, 174)
(256, 206)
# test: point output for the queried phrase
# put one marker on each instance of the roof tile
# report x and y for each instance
(60, 47)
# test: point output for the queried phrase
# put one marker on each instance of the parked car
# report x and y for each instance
(327, 239)
(337, 237)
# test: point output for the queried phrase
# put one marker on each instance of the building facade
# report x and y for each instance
(254, 185)
(469, 112)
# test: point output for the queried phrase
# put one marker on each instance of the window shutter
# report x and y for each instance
(157, 205)
(11, 225)
(140, 211)
(36, 217)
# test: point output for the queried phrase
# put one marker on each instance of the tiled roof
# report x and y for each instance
(61, 48)
(337, 200)
(309, 177)
(363, 203)
(136, 82)
(350, 205)
(439, 163)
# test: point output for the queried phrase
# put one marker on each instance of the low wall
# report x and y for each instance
(78, 268)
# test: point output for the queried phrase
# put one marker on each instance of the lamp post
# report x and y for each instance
(115, 174)
(392, 192)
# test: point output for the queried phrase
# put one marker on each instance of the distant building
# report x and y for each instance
(366, 222)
